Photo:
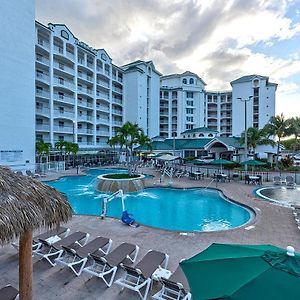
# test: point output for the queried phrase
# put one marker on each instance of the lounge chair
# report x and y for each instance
(105, 266)
(77, 259)
(140, 276)
(174, 288)
(29, 173)
(48, 250)
(290, 181)
(9, 293)
(60, 232)
(277, 180)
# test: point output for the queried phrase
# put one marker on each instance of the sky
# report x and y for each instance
(220, 40)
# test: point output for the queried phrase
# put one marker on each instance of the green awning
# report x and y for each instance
(246, 272)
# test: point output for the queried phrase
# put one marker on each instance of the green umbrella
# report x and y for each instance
(253, 162)
(246, 272)
(221, 162)
(199, 162)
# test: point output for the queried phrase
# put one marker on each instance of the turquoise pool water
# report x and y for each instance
(167, 208)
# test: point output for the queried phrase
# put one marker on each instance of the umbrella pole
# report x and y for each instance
(25, 265)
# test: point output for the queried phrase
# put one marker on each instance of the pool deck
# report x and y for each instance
(273, 224)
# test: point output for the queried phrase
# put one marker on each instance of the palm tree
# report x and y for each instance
(278, 127)
(74, 151)
(294, 129)
(42, 149)
(256, 137)
(60, 145)
(144, 141)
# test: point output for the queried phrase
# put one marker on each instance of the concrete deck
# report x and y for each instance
(273, 225)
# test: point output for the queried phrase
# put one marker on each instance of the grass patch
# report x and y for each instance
(120, 176)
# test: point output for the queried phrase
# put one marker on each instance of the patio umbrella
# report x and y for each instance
(221, 162)
(25, 205)
(247, 272)
(199, 162)
(253, 163)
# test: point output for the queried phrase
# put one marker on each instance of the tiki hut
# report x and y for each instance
(25, 205)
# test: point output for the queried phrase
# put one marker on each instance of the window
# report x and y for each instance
(184, 81)
(39, 121)
(61, 124)
(189, 94)
(61, 80)
(61, 138)
(64, 34)
(210, 135)
(189, 110)
(79, 139)
(190, 119)
(189, 126)
(79, 126)
(166, 94)
(194, 135)
(174, 95)
(189, 103)
(160, 94)
(201, 135)
(60, 95)
(97, 139)
(191, 81)
(61, 110)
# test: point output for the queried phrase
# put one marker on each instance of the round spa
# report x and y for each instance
(111, 183)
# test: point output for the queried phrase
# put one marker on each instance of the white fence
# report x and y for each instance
(53, 166)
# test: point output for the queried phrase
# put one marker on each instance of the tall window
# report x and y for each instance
(184, 81)
(189, 94)
(191, 81)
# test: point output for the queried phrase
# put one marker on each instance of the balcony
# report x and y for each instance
(42, 93)
(70, 55)
(212, 116)
(117, 90)
(83, 90)
(58, 50)
(42, 127)
(102, 144)
(102, 132)
(64, 129)
(117, 123)
(103, 96)
(42, 60)
(164, 106)
(63, 67)
(85, 143)
(106, 72)
(85, 118)
(84, 131)
(64, 114)
(43, 43)
(117, 112)
(63, 98)
(42, 77)
(45, 111)
(86, 77)
(84, 104)
(102, 107)
(64, 83)
(102, 120)
(103, 83)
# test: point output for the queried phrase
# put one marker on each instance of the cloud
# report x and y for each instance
(215, 39)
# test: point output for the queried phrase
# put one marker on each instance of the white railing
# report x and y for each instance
(84, 131)
(118, 90)
(86, 77)
(102, 107)
(118, 123)
(63, 98)
(85, 104)
(85, 118)
(41, 93)
(42, 76)
(58, 50)
(64, 83)
(42, 127)
(116, 100)
(65, 129)
(64, 114)
(102, 120)
(44, 111)
(54, 166)
(117, 112)
(43, 43)
(103, 83)
(102, 95)
(70, 55)
(101, 132)
(42, 59)
(63, 67)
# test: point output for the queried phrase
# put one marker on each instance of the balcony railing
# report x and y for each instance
(83, 143)
(63, 98)
(65, 83)
(45, 44)
(42, 77)
(70, 55)
(103, 83)
(63, 67)
(102, 107)
(42, 59)
(86, 77)
(102, 95)
(85, 104)
(42, 111)
(42, 93)
(85, 118)
(118, 123)
(117, 100)
(42, 127)
(102, 120)
(64, 114)
(58, 50)
(90, 65)
(65, 129)
(102, 132)
(118, 90)
(84, 90)
(84, 131)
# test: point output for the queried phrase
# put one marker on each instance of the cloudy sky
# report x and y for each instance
(220, 40)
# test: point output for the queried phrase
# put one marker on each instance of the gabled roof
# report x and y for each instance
(199, 129)
(136, 63)
(248, 78)
(186, 73)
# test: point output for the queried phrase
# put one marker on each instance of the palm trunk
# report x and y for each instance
(277, 157)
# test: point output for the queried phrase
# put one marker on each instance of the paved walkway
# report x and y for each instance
(273, 225)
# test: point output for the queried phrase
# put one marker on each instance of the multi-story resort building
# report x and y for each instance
(185, 104)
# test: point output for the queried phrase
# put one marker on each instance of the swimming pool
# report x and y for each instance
(282, 195)
(167, 208)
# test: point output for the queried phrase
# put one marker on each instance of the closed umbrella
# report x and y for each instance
(221, 162)
(247, 272)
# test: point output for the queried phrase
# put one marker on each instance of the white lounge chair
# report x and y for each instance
(140, 276)
(174, 288)
(105, 266)
(50, 251)
(277, 180)
(77, 259)
(290, 181)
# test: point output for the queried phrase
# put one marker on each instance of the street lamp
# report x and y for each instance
(246, 127)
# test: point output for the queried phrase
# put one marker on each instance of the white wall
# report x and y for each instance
(17, 76)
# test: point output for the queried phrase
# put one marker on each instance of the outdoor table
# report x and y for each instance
(198, 175)
(222, 177)
(254, 179)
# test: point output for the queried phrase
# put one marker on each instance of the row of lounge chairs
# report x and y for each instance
(288, 181)
(9, 293)
(58, 247)
(296, 213)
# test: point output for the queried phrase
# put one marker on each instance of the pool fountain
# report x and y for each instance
(111, 183)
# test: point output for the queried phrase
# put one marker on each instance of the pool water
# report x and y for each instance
(167, 208)
(282, 195)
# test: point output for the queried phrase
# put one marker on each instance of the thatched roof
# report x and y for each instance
(27, 204)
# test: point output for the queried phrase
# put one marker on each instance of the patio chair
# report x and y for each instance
(105, 266)
(9, 293)
(59, 232)
(290, 181)
(77, 259)
(247, 179)
(48, 250)
(30, 174)
(140, 276)
(277, 180)
(19, 172)
(174, 288)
